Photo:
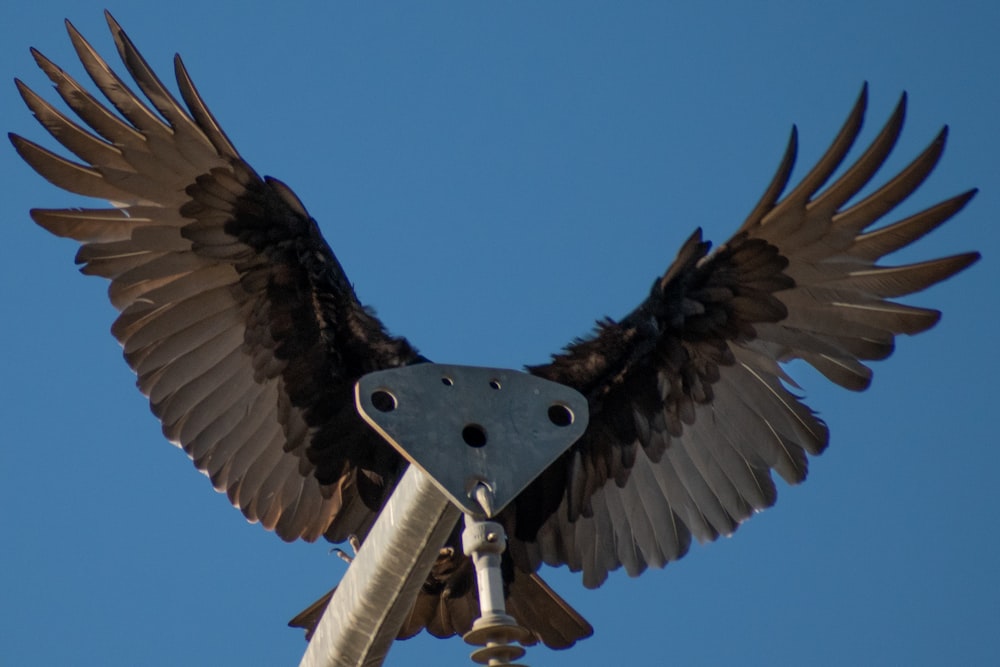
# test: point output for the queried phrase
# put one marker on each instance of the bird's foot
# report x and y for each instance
(355, 547)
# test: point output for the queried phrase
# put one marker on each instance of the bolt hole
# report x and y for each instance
(474, 435)
(495, 384)
(447, 381)
(560, 415)
(383, 401)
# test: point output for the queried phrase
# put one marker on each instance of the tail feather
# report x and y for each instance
(530, 601)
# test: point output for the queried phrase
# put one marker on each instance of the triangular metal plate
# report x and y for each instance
(466, 424)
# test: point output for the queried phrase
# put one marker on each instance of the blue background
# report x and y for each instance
(494, 177)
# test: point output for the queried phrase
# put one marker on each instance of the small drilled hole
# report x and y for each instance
(495, 384)
(447, 381)
(560, 415)
(474, 435)
(383, 401)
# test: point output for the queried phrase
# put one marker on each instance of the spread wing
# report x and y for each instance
(236, 316)
(690, 407)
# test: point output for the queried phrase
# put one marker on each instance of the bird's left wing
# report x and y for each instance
(690, 410)
(236, 316)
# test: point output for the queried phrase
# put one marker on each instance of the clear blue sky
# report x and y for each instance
(494, 177)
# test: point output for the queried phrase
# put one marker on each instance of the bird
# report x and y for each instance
(247, 337)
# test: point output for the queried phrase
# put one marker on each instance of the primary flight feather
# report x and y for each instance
(248, 338)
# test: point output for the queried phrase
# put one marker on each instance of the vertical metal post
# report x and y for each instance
(495, 629)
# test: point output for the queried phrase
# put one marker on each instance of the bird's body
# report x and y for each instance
(248, 338)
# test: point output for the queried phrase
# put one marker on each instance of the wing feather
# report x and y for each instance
(877, 243)
(222, 447)
(122, 135)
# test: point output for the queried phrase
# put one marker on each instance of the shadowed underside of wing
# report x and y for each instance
(689, 407)
(236, 316)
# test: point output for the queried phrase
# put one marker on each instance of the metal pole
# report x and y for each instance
(382, 583)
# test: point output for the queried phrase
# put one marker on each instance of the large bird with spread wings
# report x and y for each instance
(248, 338)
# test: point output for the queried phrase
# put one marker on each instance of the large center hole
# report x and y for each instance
(474, 435)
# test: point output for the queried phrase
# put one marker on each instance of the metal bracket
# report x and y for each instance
(466, 425)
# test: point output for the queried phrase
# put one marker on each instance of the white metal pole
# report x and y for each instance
(379, 589)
